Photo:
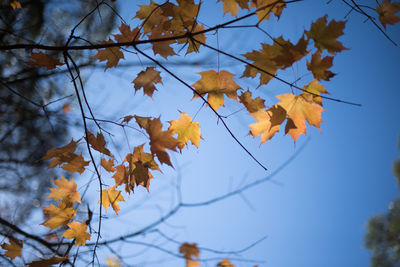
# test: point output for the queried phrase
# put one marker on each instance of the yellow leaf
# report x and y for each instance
(66, 190)
(266, 7)
(77, 231)
(387, 12)
(232, 6)
(58, 216)
(313, 91)
(225, 263)
(13, 249)
(216, 84)
(146, 80)
(111, 197)
(325, 35)
(113, 262)
(111, 54)
(42, 60)
(15, 4)
(189, 251)
(268, 122)
(186, 130)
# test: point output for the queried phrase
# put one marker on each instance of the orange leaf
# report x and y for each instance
(98, 143)
(66, 190)
(108, 165)
(268, 122)
(216, 84)
(298, 110)
(225, 263)
(319, 67)
(111, 197)
(189, 251)
(162, 48)
(42, 60)
(13, 249)
(111, 54)
(127, 35)
(325, 35)
(58, 216)
(186, 130)
(146, 80)
(387, 12)
(252, 105)
(273, 6)
(315, 89)
(77, 231)
(232, 6)
(15, 4)
(159, 140)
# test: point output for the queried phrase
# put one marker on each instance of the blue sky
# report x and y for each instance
(314, 212)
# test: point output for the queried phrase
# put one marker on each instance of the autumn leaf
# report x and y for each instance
(189, 251)
(15, 4)
(152, 16)
(387, 12)
(216, 85)
(193, 45)
(186, 130)
(66, 190)
(252, 105)
(13, 249)
(66, 108)
(66, 157)
(299, 110)
(147, 80)
(159, 140)
(325, 35)
(225, 263)
(266, 7)
(268, 122)
(111, 197)
(58, 216)
(319, 67)
(280, 55)
(127, 35)
(111, 54)
(113, 262)
(162, 48)
(98, 143)
(127, 119)
(122, 176)
(78, 232)
(108, 165)
(312, 92)
(47, 262)
(232, 6)
(42, 60)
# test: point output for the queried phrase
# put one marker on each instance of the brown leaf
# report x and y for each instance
(111, 54)
(98, 143)
(147, 80)
(387, 12)
(252, 105)
(13, 249)
(319, 66)
(42, 60)
(47, 262)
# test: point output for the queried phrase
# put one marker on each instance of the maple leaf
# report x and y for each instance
(268, 122)
(98, 143)
(66, 190)
(122, 176)
(387, 12)
(42, 60)
(313, 91)
(77, 231)
(47, 262)
(58, 216)
(108, 165)
(252, 105)
(127, 35)
(152, 14)
(280, 55)
(13, 249)
(225, 263)
(193, 45)
(266, 7)
(15, 4)
(299, 109)
(146, 80)
(189, 251)
(232, 6)
(66, 157)
(216, 84)
(113, 262)
(111, 54)
(159, 140)
(319, 67)
(325, 35)
(162, 48)
(111, 197)
(186, 130)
